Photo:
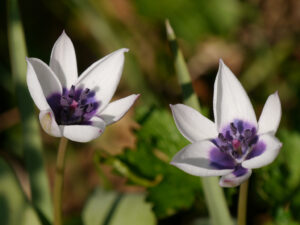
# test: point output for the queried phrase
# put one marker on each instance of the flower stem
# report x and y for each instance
(242, 206)
(59, 181)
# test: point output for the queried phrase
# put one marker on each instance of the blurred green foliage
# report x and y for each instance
(194, 19)
(158, 141)
(112, 208)
(258, 39)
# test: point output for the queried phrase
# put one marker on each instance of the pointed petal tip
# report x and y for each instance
(123, 50)
(64, 34)
(28, 59)
(137, 96)
(222, 65)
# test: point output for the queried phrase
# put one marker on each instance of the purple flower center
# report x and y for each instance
(74, 106)
(237, 140)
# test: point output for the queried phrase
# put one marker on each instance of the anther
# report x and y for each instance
(72, 92)
(233, 128)
(221, 137)
(89, 108)
(64, 101)
(248, 133)
(84, 94)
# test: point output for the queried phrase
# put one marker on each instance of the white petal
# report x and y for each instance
(63, 61)
(196, 159)
(103, 76)
(270, 117)
(230, 99)
(231, 180)
(84, 133)
(268, 155)
(117, 109)
(41, 82)
(192, 124)
(48, 123)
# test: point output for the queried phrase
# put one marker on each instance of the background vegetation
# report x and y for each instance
(127, 169)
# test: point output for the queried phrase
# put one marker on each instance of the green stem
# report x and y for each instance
(242, 206)
(32, 144)
(213, 193)
(59, 180)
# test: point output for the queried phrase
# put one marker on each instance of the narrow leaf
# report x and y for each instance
(32, 145)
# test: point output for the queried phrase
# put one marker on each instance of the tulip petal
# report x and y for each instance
(48, 123)
(203, 159)
(63, 61)
(265, 152)
(84, 133)
(270, 117)
(41, 82)
(192, 124)
(117, 109)
(235, 178)
(103, 77)
(231, 101)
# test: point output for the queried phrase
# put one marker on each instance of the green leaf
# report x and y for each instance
(290, 154)
(158, 140)
(112, 208)
(14, 207)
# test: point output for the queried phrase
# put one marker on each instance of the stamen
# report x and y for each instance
(248, 133)
(84, 94)
(89, 108)
(221, 137)
(74, 106)
(64, 101)
(237, 140)
(233, 128)
(72, 92)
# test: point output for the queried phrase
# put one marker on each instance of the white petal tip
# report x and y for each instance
(28, 60)
(221, 62)
(122, 50)
(137, 96)
(64, 34)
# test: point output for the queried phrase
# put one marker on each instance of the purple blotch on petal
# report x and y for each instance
(240, 171)
(221, 160)
(258, 149)
(54, 103)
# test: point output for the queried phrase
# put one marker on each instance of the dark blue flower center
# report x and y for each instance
(74, 106)
(237, 140)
